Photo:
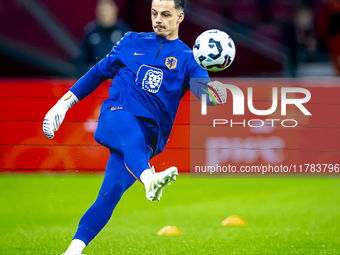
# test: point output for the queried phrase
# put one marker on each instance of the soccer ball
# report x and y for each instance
(214, 50)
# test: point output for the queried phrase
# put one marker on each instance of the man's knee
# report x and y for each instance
(98, 137)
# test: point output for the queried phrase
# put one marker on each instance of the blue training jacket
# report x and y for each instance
(150, 76)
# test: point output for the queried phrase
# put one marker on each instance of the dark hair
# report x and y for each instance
(179, 4)
(111, 2)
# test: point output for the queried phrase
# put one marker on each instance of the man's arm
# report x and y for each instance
(102, 71)
(201, 84)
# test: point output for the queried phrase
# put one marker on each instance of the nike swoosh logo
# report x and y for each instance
(138, 54)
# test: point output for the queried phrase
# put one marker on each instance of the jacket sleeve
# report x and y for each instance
(199, 77)
(103, 70)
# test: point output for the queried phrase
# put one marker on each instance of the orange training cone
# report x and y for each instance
(169, 230)
(234, 221)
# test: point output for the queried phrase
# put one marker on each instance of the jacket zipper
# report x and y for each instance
(159, 50)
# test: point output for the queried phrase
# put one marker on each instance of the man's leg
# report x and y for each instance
(129, 138)
(116, 181)
(120, 130)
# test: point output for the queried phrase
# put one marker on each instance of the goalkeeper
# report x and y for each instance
(151, 73)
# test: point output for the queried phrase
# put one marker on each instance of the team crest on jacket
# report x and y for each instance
(150, 78)
(171, 62)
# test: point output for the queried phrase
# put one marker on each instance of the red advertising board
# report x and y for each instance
(314, 140)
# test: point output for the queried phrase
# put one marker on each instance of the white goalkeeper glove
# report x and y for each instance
(56, 115)
(217, 88)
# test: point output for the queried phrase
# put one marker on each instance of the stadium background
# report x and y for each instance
(278, 43)
(39, 41)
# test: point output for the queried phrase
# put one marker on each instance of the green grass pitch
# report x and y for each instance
(39, 215)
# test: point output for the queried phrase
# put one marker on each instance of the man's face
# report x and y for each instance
(106, 14)
(165, 18)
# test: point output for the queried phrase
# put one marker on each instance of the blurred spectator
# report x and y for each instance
(328, 27)
(305, 34)
(300, 38)
(100, 35)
